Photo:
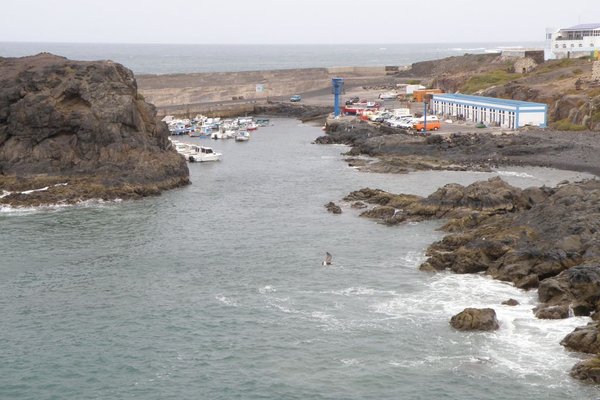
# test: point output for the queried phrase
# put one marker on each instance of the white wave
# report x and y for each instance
(36, 190)
(524, 345)
(414, 259)
(349, 361)
(321, 315)
(467, 49)
(514, 173)
(361, 291)
(267, 289)
(31, 210)
(226, 300)
(18, 210)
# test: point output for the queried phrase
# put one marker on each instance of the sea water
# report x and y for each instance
(189, 58)
(216, 291)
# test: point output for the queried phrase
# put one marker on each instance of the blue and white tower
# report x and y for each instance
(338, 88)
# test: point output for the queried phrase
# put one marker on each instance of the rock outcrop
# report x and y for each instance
(398, 152)
(83, 124)
(587, 370)
(584, 339)
(333, 208)
(510, 302)
(548, 235)
(475, 319)
(544, 238)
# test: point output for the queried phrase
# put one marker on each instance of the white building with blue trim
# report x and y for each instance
(575, 41)
(509, 114)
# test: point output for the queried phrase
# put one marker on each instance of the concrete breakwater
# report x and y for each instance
(240, 91)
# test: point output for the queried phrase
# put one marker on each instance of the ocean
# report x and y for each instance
(216, 291)
(189, 58)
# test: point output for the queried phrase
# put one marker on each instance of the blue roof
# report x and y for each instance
(582, 27)
(494, 100)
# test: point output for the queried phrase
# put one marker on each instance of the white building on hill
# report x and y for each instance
(576, 41)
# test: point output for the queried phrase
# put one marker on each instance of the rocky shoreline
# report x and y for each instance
(72, 131)
(396, 151)
(544, 239)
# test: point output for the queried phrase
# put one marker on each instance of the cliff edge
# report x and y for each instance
(79, 130)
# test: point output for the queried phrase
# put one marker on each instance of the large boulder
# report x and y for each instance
(587, 370)
(584, 339)
(83, 123)
(491, 196)
(475, 319)
(578, 287)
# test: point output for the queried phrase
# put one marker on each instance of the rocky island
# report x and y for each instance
(74, 130)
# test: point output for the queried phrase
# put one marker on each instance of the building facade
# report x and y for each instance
(576, 41)
(509, 114)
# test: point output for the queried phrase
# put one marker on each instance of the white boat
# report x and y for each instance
(262, 121)
(201, 154)
(242, 136)
(227, 134)
(181, 148)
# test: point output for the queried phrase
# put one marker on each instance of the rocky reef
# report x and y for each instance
(398, 152)
(475, 319)
(75, 130)
(537, 238)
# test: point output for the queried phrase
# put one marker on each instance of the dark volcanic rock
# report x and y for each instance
(587, 370)
(475, 319)
(584, 339)
(510, 302)
(552, 312)
(333, 208)
(578, 287)
(81, 122)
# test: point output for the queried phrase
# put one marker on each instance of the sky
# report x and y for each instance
(288, 22)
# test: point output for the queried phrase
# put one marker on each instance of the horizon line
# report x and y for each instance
(269, 44)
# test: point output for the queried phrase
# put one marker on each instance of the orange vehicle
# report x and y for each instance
(433, 124)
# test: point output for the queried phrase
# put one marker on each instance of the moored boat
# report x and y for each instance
(201, 154)
(242, 136)
(262, 121)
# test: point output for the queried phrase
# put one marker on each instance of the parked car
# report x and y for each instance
(295, 98)
(404, 123)
(388, 96)
(351, 101)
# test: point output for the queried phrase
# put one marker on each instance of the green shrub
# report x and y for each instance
(566, 125)
(484, 81)
(414, 82)
(577, 71)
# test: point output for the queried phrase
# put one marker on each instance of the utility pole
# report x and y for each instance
(424, 116)
(591, 114)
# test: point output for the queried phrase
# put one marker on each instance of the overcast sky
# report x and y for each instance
(285, 21)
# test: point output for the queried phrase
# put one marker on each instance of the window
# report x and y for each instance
(580, 45)
(564, 46)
